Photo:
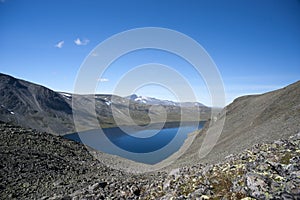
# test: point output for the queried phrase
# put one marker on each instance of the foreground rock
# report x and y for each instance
(265, 171)
(41, 166)
(37, 165)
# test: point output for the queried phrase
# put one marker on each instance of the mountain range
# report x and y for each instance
(35, 106)
(154, 101)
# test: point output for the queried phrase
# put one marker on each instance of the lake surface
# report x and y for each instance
(148, 145)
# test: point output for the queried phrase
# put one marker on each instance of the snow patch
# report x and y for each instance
(141, 99)
(66, 95)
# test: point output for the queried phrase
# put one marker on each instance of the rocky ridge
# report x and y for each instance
(42, 166)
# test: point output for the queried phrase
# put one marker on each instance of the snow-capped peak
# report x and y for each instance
(141, 99)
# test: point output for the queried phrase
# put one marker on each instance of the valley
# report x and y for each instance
(256, 156)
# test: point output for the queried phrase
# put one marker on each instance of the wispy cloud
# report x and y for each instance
(60, 44)
(94, 54)
(103, 80)
(80, 42)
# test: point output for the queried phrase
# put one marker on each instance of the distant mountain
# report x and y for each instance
(250, 120)
(110, 108)
(34, 106)
(154, 101)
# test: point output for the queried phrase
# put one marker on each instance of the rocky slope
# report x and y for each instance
(37, 165)
(34, 106)
(250, 120)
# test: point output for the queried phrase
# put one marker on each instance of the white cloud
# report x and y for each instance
(103, 79)
(94, 54)
(60, 44)
(81, 42)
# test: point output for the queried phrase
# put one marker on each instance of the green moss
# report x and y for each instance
(286, 158)
(224, 182)
(223, 185)
(186, 189)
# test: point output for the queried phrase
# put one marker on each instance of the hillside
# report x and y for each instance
(251, 120)
(38, 165)
(34, 106)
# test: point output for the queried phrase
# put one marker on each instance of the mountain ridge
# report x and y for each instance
(250, 120)
(30, 103)
(35, 106)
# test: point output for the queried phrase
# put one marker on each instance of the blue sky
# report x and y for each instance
(255, 44)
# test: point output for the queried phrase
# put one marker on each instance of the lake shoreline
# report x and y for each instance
(148, 145)
(158, 125)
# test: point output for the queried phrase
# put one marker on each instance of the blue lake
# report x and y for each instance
(148, 145)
